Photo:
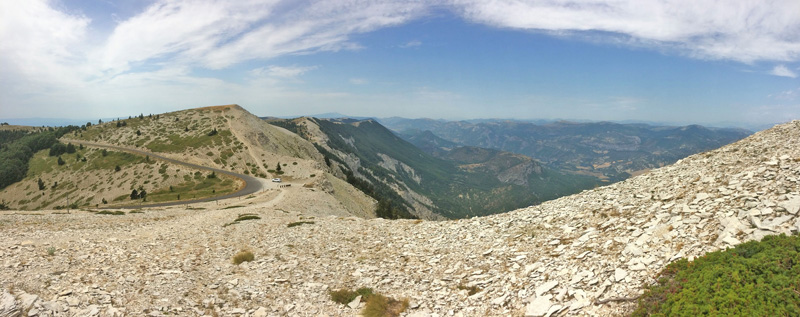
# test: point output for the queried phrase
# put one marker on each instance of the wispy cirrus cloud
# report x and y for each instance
(282, 71)
(744, 31)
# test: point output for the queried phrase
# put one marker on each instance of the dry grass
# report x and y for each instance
(243, 256)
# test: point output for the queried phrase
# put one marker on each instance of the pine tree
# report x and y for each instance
(60, 161)
(134, 194)
(41, 184)
(279, 167)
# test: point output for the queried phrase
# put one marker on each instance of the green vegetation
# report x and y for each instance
(382, 306)
(242, 217)
(454, 192)
(753, 279)
(344, 296)
(243, 256)
(377, 305)
(51, 251)
(299, 223)
(177, 143)
(110, 212)
(17, 149)
(194, 187)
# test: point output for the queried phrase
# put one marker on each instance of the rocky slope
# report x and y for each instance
(566, 256)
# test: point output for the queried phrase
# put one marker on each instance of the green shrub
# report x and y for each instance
(242, 217)
(753, 279)
(243, 256)
(345, 296)
(109, 212)
(295, 224)
(376, 305)
(382, 306)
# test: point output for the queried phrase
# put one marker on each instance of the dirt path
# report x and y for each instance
(251, 184)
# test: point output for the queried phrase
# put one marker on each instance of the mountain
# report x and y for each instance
(591, 253)
(470, 182)
(227, 138)
(609, 151)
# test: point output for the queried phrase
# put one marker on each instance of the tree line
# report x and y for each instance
(16, 154)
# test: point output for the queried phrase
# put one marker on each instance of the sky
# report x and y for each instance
(733, 62)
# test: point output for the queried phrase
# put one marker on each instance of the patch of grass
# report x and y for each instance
(382, 306)
(110, 212)
(376, 305)
(242, 217)
(753, 279)
(51, 251)
(345, 296)
(234, 206)
(137, 211)
(243, 256)
(298, 223)
(200, 187)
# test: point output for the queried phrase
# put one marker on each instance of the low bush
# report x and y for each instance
(242, 217)
(345, 296)
(111, 212)
(298, 223)
(382, 306)
(243, 256)
(753, 279)
(376, 305)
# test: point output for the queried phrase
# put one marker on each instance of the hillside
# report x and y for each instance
(224, 137)
(609, 151)
(410, 180)
(567, 256)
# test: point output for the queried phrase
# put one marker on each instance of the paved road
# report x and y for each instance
(252, 184)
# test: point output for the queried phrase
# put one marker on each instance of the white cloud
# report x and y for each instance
(744, 31)
(782, 71)
(358, 81)
(413, 43)
(39, 43)
(282, 71)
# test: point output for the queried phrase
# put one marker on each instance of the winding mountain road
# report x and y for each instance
(252, 184)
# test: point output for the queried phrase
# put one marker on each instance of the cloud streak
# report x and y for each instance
(744, 31)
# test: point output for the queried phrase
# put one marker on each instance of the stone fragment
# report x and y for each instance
(538, 307)
(792, 205)
(27, 300)
(8, 306)
(546, 287)
(620, 274)
(731, 240)
(260, 312)
(354, 303)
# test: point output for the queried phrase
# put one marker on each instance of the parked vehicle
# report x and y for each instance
(276, 180)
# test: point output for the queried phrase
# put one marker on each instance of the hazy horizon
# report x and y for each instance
(709, 63)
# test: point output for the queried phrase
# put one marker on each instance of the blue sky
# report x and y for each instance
(707, 62)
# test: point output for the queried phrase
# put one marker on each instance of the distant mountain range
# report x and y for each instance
(609, 151)
(465, 182)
